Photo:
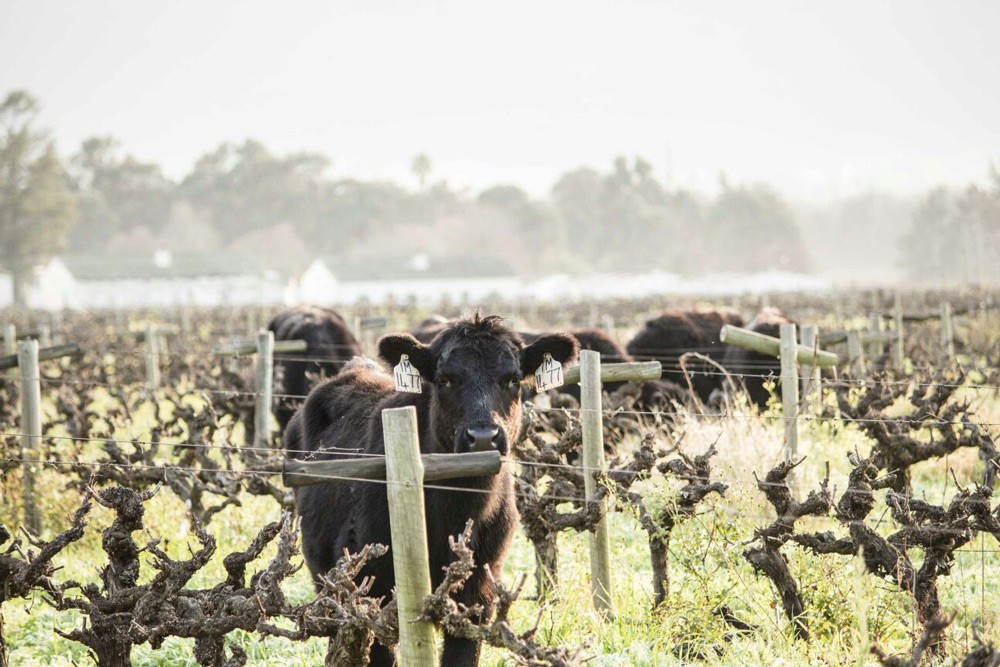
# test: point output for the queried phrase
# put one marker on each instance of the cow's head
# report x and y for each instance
(474, 370)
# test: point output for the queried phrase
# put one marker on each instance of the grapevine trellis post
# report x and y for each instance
(404, 476)
(810, 374)
(855, 353)
(10, 343)
(789, 390)
(875, 328)
(31, 429)
(592, 425)
(947, 332)
(152, 357)
(265, 389)
(898, 352)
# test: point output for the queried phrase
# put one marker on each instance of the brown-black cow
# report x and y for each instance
(753, 369)
(667, 337)
(470, 401)
(329, 345)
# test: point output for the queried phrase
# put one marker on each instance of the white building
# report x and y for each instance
(161, 279)
(424, 279)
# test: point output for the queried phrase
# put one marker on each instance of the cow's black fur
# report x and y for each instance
(430, 327)
(753, 369)
(471, 383)
(667, 337)
(329, 342)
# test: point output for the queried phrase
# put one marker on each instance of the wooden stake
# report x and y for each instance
(810, 373)
(947, 332)
(10, 343)
(410, 561)
(875, 327)
(855, 353)
(31, 428)
(592, 424)
(152, 358)
(789, 391)
(899, 353)
(265, 389)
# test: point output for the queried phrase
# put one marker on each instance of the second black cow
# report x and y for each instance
(329, 345)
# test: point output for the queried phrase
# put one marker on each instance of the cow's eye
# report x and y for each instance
(510, 382)
(444, 382)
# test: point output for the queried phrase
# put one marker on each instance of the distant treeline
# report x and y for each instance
(288, 210)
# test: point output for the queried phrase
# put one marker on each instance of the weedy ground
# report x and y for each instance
(847, 610)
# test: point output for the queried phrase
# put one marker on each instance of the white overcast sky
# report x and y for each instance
(818, 98)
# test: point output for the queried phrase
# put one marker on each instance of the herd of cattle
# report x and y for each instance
(471, 372)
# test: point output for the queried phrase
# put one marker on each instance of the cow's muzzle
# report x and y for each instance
(480, 438)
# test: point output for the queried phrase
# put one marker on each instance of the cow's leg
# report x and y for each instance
(380, 656)
(460, 652)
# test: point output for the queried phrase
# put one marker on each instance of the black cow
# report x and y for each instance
(675, 332)
(470, 401)
(753, 369)
(329, 345)
(429, 328)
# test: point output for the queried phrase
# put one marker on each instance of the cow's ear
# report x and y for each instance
(394, 346)
(563, 348)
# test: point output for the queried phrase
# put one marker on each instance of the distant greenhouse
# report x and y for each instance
(158, 279)
(420, 278)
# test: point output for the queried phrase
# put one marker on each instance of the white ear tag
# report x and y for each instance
(407, 377)
(549, 375)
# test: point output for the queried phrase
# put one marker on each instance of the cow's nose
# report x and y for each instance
(482, 438)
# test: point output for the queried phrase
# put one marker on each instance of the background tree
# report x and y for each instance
(750, 228)
(241, 189)
(36, 203)
(421, 168)
(117, 194)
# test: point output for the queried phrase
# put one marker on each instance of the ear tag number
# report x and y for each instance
(549, 375)
(407, 376)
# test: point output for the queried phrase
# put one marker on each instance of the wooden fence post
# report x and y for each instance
(252, 321)
(592, 425)
(44, 335)
(152, 357)
(855, 353)
(265, 389)
(10, 343)
(185, 321)
(947, 332)
(31, 428)
(875, 327)
(899, 353)
(609, 327)
(404, 486)
(810, 373)
(789, 390)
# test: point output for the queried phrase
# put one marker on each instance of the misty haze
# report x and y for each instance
(565, 334)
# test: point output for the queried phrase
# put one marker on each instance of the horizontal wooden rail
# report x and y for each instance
(930, 317)
(373, 323)
(140, 334)
(45, 354)
(771, 346)
(297, 473)
(866, 337)
(250, 347)
(631, 370)
(31, 334)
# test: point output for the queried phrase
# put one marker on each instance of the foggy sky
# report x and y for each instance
(819, 99)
